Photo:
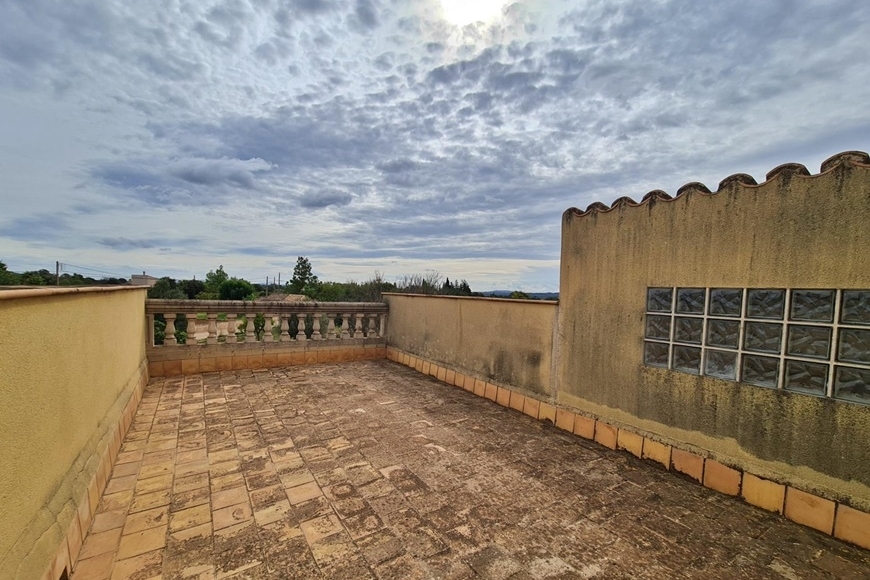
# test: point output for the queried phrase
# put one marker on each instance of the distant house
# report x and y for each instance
(142, 280)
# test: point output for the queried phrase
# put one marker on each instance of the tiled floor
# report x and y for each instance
(370, 470)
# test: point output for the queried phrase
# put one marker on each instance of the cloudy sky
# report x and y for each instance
(395, 135)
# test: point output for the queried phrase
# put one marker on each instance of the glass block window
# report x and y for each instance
(812, 341)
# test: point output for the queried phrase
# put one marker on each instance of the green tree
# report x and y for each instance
(303, 280)
(32, 279)
(8, 278)
(519, 295)
(236, 289)
(192, 287)
(165, 288)
(215, 278)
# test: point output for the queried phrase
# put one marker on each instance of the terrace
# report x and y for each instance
(444, 437)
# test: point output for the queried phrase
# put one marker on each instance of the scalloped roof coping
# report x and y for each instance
(741, 178)
(845, 157)
(786, 170)
(693, 186)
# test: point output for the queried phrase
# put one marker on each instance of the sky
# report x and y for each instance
(395, 136)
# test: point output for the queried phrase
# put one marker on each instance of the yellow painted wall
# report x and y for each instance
(793, 231)
(68, 364)
(509, 342)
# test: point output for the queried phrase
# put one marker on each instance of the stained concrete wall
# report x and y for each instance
(69, 361)
(793, 231)
(509, 342)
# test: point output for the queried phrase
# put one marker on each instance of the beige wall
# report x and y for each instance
(508, 342)
(793, 231)
(69, 362)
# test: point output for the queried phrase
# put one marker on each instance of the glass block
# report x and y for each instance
(725, 301)
(765, 304)
(856, 307)
(687, 359)
(814, 305)
(854, 345)
(655, 354)
(763, 337)
(720, 364)
(658, 327)
(811, 341)
(762, 371)
(723, 333)
(805, 377)
(688, 330)
(690, 300)
(659, 299)
(852, 384)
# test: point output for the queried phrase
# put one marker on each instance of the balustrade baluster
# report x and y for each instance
(372, 333)
(330, 326)
(300, 325)
(267, 329)
(316, 319)
(358, 333)
(190, 331)
(212, 329)
(345, 326)
(232, 327)
(249, 331)
(169, 332)
(285, 328)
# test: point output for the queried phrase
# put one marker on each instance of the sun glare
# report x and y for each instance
(462, 12)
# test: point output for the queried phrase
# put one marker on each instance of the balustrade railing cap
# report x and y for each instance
(160, 306)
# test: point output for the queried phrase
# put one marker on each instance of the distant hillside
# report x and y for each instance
(532, 295)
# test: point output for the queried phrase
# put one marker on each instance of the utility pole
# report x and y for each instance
(279, 280)
(57, 272)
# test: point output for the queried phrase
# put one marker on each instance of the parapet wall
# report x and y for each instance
(72, 370)
(504, 341)
(794, 231)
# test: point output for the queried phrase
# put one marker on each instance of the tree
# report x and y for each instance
(236, 289)
(303, 280)
(7, 278)
(519, 295)
(166, 289)
(215, 278)
(192, 287)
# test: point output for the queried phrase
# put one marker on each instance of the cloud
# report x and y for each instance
(326, 198)
(418, 140)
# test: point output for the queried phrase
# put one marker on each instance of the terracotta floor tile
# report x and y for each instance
(100, 543)
(232, 515)
(115, 501)
(302, 493)
(145, 566)
(150, 500)
(228, 497)
(141, 542)
(124, 469)
(152, 484)
(190, 517)
(319, 528)
(108, 521)
(146, 519)
(96, 568)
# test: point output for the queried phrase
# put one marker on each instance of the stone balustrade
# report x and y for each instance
(193, 336)
(198, 322)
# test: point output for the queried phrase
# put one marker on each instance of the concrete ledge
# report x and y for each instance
(832, 518)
